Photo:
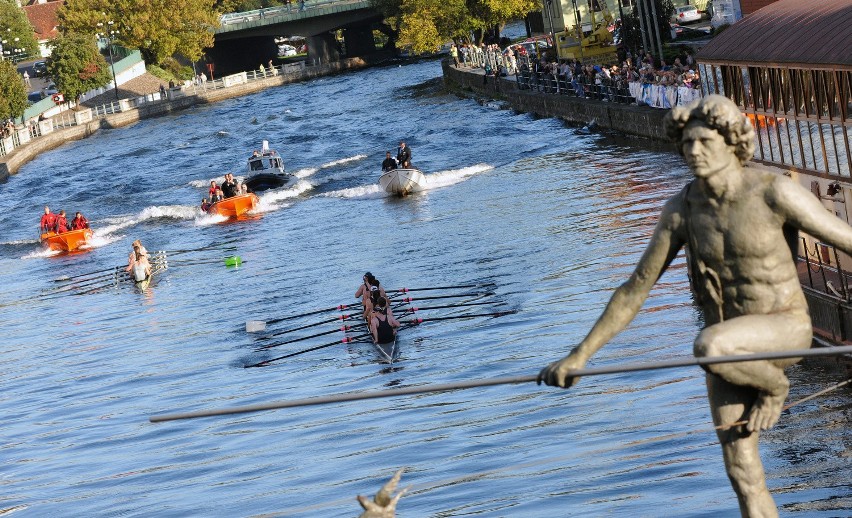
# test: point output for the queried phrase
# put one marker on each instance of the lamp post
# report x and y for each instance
(109, 34)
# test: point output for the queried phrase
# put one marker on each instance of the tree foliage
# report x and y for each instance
(76, 65)
(14, 24)
(631, 30)
(13, 92)
(160, 29)
(425, 25)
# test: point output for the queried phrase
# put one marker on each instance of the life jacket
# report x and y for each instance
(48, 222)
(79, 224)
(61, 224)
(384, 330)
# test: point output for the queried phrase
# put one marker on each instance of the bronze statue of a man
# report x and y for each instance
(740, 228)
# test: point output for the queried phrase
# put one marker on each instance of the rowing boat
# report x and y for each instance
(66, 241)
(234, 206)
(388, 351)
(402, 182)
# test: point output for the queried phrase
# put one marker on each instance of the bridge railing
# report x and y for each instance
(283, 10)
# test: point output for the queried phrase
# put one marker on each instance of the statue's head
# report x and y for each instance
(719, 114)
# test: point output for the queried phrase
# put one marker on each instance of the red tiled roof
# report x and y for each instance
(43, 18)
(808, 33)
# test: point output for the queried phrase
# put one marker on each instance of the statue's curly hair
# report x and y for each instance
(719, 113)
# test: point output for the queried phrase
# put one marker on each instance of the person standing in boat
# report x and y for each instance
(383, 325)
(79, 222)
(403, 155)
(48, 220)
(61, 223)
(389, 164)
(229, 186)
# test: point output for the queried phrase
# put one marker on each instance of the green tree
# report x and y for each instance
(425, 25)
(76, 65)
(13, 92)
(14, 24)
(160, 29)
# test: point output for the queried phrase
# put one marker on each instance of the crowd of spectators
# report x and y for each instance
(616, 82)
(7, 128)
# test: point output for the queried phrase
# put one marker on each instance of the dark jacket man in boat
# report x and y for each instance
(403, 155)
(389, 164)
(229, 186)
(739, 226)
(48, 220)
(79, 222)
(61, 223)
(383, 325)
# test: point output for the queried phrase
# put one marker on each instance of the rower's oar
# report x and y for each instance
(68, 278)
(406, 290)
(342, 307)
(88, 282)
(436, 297)
(414, 309)
(321, 322)
(345, 340)
(301, 338)
(417, 321)
(512, 380)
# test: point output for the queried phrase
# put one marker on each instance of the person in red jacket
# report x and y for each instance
(79, 222)
(61, 223)
(48, 220)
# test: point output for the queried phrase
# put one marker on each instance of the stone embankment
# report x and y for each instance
(639, 121)
(185, 98)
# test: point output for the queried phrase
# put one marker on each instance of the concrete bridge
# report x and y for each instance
(246, 40)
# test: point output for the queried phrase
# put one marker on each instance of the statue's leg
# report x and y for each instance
(755, 334)
(729, 404)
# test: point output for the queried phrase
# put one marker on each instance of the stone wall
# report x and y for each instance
(639, 121)
(181, 99)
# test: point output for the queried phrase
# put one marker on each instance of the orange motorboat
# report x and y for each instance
(66, 241)
(234, 206)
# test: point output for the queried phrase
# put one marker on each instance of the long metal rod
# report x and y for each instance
(594, 371)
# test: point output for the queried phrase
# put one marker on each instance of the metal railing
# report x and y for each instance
(268, 12)
(69, 119)
(822, 275)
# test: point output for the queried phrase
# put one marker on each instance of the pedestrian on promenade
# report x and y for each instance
(27, 79)
(162, 92)
(262, 70)
(301, 5)
(454, 52)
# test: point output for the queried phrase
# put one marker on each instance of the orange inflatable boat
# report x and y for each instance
(234, 206)
(66, 241)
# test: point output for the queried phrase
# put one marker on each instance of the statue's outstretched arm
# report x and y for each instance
(805, 212)
(668, 238)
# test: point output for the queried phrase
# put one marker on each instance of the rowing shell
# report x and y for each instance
(388, 351)
(402, 181)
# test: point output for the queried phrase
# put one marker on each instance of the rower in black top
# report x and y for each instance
(383, 325)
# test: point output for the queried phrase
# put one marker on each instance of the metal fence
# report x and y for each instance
(68, 119)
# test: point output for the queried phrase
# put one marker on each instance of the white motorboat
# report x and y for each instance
(266, 170)
(402, 182)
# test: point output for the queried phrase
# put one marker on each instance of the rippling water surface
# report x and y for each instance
(553, 216)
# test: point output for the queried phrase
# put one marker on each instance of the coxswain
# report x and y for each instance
(48, 220)
(403, 155)
(383, 325)
(389, 164)
(79, 222)
(61, 223)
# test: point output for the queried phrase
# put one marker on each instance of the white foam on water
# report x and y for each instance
(41, 252)
(306, 172)
(453, 176)
(21, 242)
(343, 161)
(203, 220)
(181, 212)
(363, 192)
(99, 239)
(271, 200)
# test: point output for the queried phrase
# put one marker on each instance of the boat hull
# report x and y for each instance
(66, 241)
(388, 351)
(234, 206)
(401, 182)
(264, 181)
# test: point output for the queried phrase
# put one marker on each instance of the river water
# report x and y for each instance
(553, 216)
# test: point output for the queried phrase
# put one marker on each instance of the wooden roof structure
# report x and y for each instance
(789, 33)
